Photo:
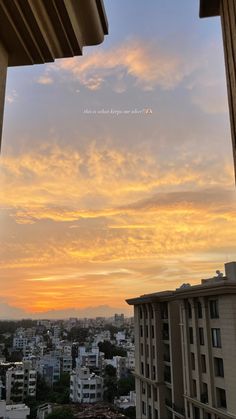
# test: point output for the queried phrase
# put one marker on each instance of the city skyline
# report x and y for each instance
(116, 167)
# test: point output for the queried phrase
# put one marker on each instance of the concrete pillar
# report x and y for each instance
(228, 20)
(3, 77)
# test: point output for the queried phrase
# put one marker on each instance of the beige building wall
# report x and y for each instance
(185, 350)
(158, 367)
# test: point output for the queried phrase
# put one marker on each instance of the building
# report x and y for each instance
(120, 363)
(85, 387)
(91, 358)
(13, 411)
(21, 382)
(66, 364)
(119, 320)
(20, 342)
(124, 402)
(44, 410)
(195, 325)
(49, 367)
(226, 9)
(130, 359)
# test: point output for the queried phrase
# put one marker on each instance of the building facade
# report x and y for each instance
(226, 9)
(21, 382)
(185, 344)
(85, 387)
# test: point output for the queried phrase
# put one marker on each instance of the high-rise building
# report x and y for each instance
(185, 343)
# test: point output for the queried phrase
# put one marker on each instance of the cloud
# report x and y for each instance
(12, 96)
(9, 312)
(45, 80)
(146, 63)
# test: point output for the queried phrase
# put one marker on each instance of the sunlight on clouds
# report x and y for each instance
(70, 241)
(146, 62)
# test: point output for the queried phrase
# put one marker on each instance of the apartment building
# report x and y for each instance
(185, 341)
(49, 367)
(120, 363)
(20, 382)
(85, 387)
(90, 357)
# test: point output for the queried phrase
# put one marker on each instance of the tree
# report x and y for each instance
(110, 384)
(63, 413)
(111, 350)
(130, 412)
(125, 385)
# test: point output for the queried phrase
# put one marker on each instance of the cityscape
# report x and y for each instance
(117, 209)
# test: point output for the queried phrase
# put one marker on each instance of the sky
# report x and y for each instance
(116, 172)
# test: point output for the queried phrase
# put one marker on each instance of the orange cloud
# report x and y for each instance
(85, 226)
(145, 62)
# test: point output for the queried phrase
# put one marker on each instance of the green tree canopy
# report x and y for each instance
(111, 350)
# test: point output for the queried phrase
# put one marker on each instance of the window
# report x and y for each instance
(165, 331)
(141, 348)
(140, 313)
(152, 313)
(147, 331)
(199, 310)
(156, 413)
(153, 372)
(191, 335)
(204, 395)
(164, 311)
(219, 367)
(141, 331)
(201, 335)
(153, 335)
(216, 338)
(167, 374)
(149, 391)
(143, 388)
(153, 352)
(221, 398)
(149, 412)
(189, 307)
(192, 361)
(147, 371)
(203, 363)
(142, 368)
(214, 309)
(194, 388)
(155, 394)
(144, 408)
(196, 413)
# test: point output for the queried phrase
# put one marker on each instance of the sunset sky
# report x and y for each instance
(98, 206)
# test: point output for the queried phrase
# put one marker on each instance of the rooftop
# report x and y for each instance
(217, 285)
